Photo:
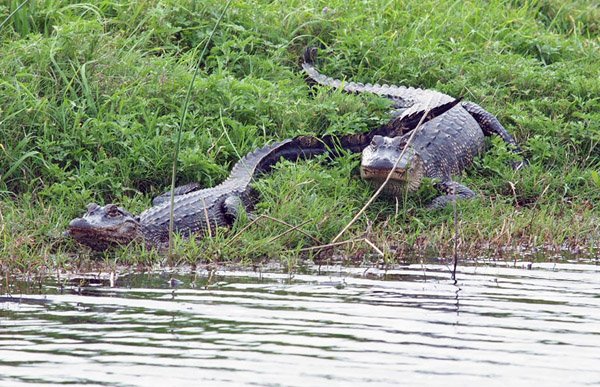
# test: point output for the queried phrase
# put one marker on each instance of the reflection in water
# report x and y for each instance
(412, 325)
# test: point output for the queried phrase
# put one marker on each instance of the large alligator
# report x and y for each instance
(444, 145)
(201, 211)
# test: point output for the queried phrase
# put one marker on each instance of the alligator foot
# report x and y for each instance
(452, 191)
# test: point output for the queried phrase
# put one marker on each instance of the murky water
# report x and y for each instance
(499, 326)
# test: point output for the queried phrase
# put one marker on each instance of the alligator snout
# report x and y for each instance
(380, 164)
(78, 223)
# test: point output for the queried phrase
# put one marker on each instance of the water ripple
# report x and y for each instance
(499, 324)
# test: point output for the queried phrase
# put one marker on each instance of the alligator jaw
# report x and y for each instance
(379, 175)
(400, 181)
(101, 238)
(86, 236)
(103, 227)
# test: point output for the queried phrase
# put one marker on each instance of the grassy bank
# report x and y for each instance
(91, 97)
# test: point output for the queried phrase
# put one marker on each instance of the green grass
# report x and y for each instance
(91, 97)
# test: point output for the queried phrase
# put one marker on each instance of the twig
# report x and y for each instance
(260, 217)
(332, 244)
(535, 205)
(374, 247)
(244, 229)
(229, 139)
(289, 225)
(455, 245)
(288, 231)
(514, 190)
(348, 241)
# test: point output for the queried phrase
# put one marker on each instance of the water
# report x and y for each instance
(500, 325)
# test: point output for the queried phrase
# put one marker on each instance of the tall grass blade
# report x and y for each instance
(455, 241)
(13, 13)
(16, 165)
(182, 123)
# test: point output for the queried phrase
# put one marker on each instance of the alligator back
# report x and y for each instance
(448, 143)
(203, 211)
(199, 211)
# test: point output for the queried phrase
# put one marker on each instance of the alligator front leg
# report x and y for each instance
(452, 191)
(181, 190)
(233, 207)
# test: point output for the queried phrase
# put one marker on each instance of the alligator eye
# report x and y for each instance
(112, 211)
(377, 141)
(92, 207)
(397, 141)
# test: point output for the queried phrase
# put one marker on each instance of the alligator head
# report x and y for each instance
(386, 154)
(102, 227)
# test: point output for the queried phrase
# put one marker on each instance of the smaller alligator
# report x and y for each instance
(201, 211)
(450, 136)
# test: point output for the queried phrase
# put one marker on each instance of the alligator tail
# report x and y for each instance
(388, 91)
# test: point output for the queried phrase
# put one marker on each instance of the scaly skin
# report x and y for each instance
(202, 211)
(451, 135)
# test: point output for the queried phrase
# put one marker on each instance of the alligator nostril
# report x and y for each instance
(78, 222)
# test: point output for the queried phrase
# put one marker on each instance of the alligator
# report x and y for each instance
(450, 135)
(202, 211)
